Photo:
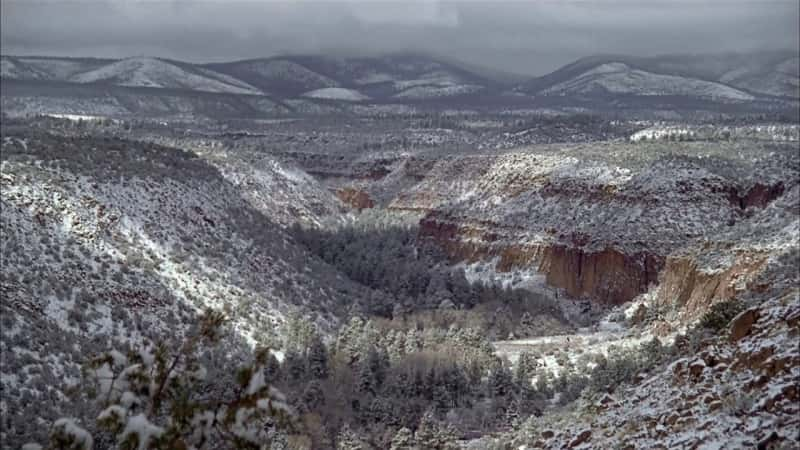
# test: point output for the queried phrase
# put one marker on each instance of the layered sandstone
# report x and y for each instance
(355, 198)
(605, 227)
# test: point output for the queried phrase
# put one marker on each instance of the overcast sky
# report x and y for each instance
(531, 37)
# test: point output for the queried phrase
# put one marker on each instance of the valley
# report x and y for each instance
(398, 253)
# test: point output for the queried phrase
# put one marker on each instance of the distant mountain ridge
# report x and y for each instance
(775, 73)
(400, 76)
(317, 84)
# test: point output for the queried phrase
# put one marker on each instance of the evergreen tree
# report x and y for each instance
(526, 365)
(313, 395)
(378, 363)
(294, 367)
(500, 381)
(156, 397)
(365, 383)
(348, 440)
(272, 368)
(526, 324)
(403, 440)
(418, 384)
(348, 340)
(434, 435)
(413, 342)
(318, 359)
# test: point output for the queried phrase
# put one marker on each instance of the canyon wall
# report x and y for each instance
(603, 231)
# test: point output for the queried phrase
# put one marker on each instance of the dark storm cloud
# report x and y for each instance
(531, 36)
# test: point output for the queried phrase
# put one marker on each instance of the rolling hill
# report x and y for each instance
(733, 76)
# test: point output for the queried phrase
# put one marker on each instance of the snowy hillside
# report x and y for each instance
(619, 78)
(108, 240)
(780, 79)
(157, 73)
(403, 76)
(15, 69)
(277, 76)
(46, 69)
(770, 73)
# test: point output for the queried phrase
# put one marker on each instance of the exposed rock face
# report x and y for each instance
(758, 195)
(742, 324)
(693, 289)
(607, 276)
(356, 198)
(580, 438)
(604, 223)
(726, 394)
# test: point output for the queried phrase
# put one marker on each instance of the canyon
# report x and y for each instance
(573, 253)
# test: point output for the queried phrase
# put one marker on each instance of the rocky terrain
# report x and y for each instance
(106, 240)
(735, 388)
(667, 229)
(662, 254)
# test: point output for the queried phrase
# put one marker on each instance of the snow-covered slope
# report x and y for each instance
(780, 79)
(734, 387)
(46, 69)
(157, 73)
(404, 76)
(13, 68)
(105, 241)
(619, 78)
(333, 93)
(771, 73)
(281, 77)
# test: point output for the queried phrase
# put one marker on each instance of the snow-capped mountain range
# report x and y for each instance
(303, 84)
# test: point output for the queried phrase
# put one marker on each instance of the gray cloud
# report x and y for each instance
(528, 37)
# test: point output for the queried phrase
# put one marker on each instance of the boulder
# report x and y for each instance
(741, 325)
(582, 437)
(696, 368)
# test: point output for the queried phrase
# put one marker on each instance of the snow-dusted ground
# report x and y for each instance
(437, 90)
(773, 132)
(584, 342)
(336, 93)
(107, 241)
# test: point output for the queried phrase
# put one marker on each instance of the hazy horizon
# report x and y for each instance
(525, 38)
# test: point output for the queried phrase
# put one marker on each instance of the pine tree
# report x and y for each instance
(318, 359)
(365, 383)
(348, 440)
(434, 435)
(298, 334)
(272, 368)
(543, 383)
(526, 365)
(348, 340)
(500, 381)
(413, 342)
(294, 367)
(378, 363)
(403, 440)
(430, 383)
(313, 395)
(155, 397)
(526, 324)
